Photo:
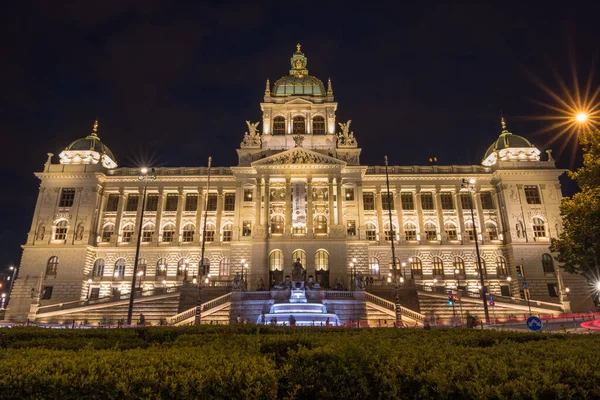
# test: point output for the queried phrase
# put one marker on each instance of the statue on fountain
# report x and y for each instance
(298, 275)
(238, 283)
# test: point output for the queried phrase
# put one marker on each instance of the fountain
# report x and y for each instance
(305, 314)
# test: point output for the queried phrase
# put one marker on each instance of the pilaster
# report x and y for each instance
(310, 212)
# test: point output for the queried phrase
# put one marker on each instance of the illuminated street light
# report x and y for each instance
(598, 285)
(581, 117)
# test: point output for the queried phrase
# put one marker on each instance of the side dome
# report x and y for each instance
(509, 147)
(298, 82)
(88, 150)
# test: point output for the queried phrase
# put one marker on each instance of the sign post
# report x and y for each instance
(534, 324)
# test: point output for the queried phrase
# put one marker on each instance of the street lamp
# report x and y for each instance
(202, 268)
(2, 304)
(508, 279)
(469, 185)
(392, 233)
(581, 117)
(246, 280)
(144, 176)
(89, 282)
(403, 265)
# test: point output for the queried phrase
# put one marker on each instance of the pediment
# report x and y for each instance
(299, 156)
(299, 100)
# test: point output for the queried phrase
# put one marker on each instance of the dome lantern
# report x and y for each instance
(298, 82)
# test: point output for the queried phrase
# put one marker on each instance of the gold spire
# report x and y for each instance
(503, 123)
(329, 87)
(268, 88)
(298, 47)
(95, 130)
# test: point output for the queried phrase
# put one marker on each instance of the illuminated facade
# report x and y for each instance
(298, 191)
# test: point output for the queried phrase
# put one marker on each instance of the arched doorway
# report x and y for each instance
(322, 268)
(275, 268)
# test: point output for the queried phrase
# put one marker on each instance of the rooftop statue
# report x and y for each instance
(345, 137)
(252, 137)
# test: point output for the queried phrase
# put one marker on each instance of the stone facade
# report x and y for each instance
(299, 191)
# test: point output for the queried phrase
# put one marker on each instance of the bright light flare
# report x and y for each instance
(581, 117)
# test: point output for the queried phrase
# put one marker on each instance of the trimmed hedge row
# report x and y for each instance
(305, 363)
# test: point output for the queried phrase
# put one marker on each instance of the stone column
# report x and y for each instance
(257, 202)
(340, 201)
(267, 203)
(199, 214)
(309, 208)
(288, 208)
(330, 217)
(379, 207)
(499, 220)
(459, 212)
(120, 209)
(400, 216)
(440, 213)
(159, 211)
(180, 204)
(360, 224)
(479, 216)
(239, 194)
(101, 207)
(420, 215)
(220, 200)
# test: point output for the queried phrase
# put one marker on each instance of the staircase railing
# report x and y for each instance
(405, 312)
(107, 299)
(339, 294)
(256, 295)
(182, 316)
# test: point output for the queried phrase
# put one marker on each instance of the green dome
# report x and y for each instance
(299, 82)
(509, 147)
(91, 142)
(506, 140)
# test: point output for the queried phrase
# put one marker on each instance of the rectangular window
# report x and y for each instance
(112, 203)
(387, 201)
(532, 194)
(132, 202)
(407, 201)
(212, 202)
(66, 197)
(152, 202)
(486, 201)
(504, 291)
(172, 200)
(227, 236)
(210, 236)
(552, 290)
(465, 201)
(349, 196)
(47, 292)
(427, 201)
(371, 234)
(447, 201)
(229, 202)
(95, 293)
(351, 228)
(248, 194)
(368, 201)
(191, 202)
(247, 228)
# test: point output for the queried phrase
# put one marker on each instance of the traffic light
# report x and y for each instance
(520, 271)
(526, 294)
(451, 300)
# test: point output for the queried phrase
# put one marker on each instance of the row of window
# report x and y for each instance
(430, 230)
(168, 232)
(321, 260)
(427, 200)
(298, 125)
(183, 267)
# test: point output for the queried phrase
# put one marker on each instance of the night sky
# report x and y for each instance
(174, 83)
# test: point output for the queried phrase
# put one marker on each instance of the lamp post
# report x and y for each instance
(469, 185)
(202, 268)
(89, 282)
(12, 280)
(353, 269)
(458, 291)
(144, 176)
(508, 279)
(246, 279)
(3, 303)
(392, 233)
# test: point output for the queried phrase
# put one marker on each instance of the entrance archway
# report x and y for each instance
(275, 268)
(322, 268)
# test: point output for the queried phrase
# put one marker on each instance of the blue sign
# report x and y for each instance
(525, 285)
(534, 324)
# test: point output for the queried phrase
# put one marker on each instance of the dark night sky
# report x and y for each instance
(177, 81)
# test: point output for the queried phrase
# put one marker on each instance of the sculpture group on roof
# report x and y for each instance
(345, 137)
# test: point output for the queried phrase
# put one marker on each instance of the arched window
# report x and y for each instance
(483, 267)
(539, 228)
(148, 232)
(501, 269)
(60, 231)
(227, 232)
(548, 264)
(276, 260)
(430, 231)
(52, 266)
(321, 260)
(416, 267)
(371, 231)
(451, 231)
(320, 224)
(279, 126)
(98, 268)
(120, 268)
(318, 125)
(299, 254)
(206, 263)
(373, 266)
(277, 224)
(224, 266)
(142, 267)
(168, 233)
(210, 232)
(459, 265)
(188, 232)
(107, 232)
(410, 231)
(437, 267)
(161, 267)
(491, 230)
(469, 230)
(298, 125)
(127, 233)
(387, 233)
(182, 267)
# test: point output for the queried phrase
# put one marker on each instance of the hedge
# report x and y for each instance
(303, 363)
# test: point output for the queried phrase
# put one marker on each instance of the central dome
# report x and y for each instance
(299, 82)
